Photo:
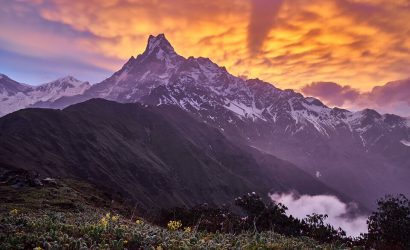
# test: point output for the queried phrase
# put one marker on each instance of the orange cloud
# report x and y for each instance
(361, 43)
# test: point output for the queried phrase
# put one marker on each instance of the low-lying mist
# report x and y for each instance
(340, 214)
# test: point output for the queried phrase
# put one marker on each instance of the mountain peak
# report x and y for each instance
(159, 45)
(68, 78)
(3, 76)
(66, 83)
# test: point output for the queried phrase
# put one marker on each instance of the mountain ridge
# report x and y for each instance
(15, 95)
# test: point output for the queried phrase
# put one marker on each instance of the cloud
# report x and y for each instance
(332, 93)
(36, 51)
(263, 17)
(393, 97)
(339, 213)
(397, 91)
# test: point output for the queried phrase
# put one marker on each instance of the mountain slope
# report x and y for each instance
(159, 156)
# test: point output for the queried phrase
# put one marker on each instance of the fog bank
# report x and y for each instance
(340, 214)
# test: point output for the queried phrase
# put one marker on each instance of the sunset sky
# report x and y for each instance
(357, 44)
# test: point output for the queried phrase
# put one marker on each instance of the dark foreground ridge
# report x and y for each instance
(155, 156)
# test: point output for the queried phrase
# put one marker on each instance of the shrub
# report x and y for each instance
(202, 218)
(389, 225)
(317, 229)
(258, 216)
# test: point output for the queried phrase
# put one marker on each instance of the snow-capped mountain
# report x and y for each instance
(363, 154)
(9, 87)
(351, 151)
(15, 95)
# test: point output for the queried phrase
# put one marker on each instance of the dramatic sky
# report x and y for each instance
(353, 45)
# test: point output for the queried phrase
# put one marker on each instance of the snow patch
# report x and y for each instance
(303, 116)
(405, 143)
(245, 111)
(310, 99)
(122, 76)
(145, 75)
(318, 109)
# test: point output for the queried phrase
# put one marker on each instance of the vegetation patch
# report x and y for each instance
(63, 216)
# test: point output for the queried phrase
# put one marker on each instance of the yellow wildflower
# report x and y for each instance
(138, 222)
(14, 212)
(108, 215)
(115, 218)
(174, 225)
(104, 222)
(187, 229)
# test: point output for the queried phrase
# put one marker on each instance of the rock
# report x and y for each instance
(50, 182)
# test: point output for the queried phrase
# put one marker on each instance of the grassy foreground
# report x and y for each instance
(73, 215)
(98, 231)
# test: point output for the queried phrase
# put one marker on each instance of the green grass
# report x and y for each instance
(76, 216)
